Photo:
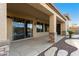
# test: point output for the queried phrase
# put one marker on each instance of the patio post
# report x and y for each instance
(9, 29)
(3, 22)
(52, 28)
(4, 43)
(34, 27)
(63, 28)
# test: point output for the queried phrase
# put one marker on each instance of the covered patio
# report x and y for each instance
(32, 41)
(30, 47)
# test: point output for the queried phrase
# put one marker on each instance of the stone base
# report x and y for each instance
(51, 41)
(52, 37)
(4, 50)
(63, 33)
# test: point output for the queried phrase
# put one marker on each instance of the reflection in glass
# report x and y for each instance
(29, 30)
(18, 30)
(21, 29)
(39, 27)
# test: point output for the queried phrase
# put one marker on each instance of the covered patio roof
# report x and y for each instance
(36, 10)
(26, 10)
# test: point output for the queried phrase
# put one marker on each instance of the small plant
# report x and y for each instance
(70, 33)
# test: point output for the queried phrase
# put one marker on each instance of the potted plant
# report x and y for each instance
(70, 33)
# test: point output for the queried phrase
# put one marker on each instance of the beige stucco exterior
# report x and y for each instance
(35, 34)
(3, 22)
(51, 21)
(9, 29)
(4, 42)
(41, 12)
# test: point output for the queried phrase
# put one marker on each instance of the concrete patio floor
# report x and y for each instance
(30, 47)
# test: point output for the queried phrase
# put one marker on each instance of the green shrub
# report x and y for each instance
(70, 32)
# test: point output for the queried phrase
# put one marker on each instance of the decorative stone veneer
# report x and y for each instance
(63, 33)
(4, 50)
(52, 37)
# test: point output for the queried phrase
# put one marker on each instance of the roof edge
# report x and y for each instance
(56, 10)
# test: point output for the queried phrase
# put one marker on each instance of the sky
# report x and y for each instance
(69, 8)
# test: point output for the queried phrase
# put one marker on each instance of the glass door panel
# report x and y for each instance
(18, 30)
(22, 29)
(29, 29)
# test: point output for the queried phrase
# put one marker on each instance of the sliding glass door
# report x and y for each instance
(18, 30)
(21, 29)
(28, 29)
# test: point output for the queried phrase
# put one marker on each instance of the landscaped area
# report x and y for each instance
(65, 47)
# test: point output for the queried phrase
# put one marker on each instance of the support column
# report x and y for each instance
(3, 22)
(52, 28)
(34, 28)
(66, 26)
(4, 43)
(63, 28)
(9, 29)
(44, 27)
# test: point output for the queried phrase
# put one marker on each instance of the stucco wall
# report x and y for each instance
(9, 29)
(39, 34)
(35, 33)
(3, 22)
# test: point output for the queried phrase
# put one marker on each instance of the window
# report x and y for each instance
(29, 29)
(22, 29)
(18, 27)
(39, 27)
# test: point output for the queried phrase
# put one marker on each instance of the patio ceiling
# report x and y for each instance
(27, 9)
(59, 21)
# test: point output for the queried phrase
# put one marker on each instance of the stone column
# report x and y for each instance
(52, 28)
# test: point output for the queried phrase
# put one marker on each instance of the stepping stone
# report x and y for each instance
(73, 42)
(62, 53)
(75, 53)
(75, 36)
(51, 51)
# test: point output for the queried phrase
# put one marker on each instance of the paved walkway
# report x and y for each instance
(65, 47)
